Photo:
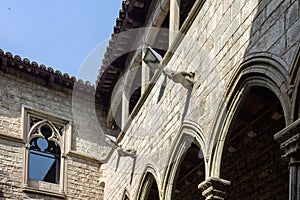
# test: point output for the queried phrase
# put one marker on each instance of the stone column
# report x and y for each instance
(289, 139)
(174, 19)
(125, 110)
(145, 74)
(214, 188)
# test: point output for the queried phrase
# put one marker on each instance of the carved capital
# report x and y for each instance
(291, 146)
(289, 139)
(214, 188)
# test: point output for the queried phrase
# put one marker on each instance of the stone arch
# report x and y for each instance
(261, 70)
(251, 158)
(295, 82)
(193, 129)
(190, 133)
(149, 182)
(266, 70)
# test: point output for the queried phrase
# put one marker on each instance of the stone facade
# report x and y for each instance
(83, 173)
(231, 46)
(220, 137)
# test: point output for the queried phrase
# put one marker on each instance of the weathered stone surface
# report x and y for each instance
(222, 35)
(83, 177)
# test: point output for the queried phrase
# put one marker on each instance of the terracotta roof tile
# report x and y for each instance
(131, 15)
(7, 60)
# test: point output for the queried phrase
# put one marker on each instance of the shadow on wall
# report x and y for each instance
(270, 29)
(251, 157)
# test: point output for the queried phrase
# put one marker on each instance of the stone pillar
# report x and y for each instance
(145, 74)
(289, 139)
(174, 19)
(125, 110)
(214, 188)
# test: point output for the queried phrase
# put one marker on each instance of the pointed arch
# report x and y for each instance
(36, 131)
(262, 70)
(150, 180)
(266, 70)
(47, 140)
(190, 133)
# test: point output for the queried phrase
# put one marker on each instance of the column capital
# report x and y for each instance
(289, 139)
(214, 188)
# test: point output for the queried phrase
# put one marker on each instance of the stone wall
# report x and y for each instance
(222, 36)
(83, 171)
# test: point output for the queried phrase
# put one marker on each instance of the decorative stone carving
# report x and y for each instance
(214, 188)
(289, 139)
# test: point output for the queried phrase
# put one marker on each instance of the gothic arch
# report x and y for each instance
(266, 70)
(194, 130)
(150, 177)
(262, 70)
(189, 133)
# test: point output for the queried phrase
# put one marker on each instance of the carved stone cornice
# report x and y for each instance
(291, 146)
(289, 139)
(214, 188)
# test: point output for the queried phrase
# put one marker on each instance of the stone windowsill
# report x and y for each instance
(44, 188)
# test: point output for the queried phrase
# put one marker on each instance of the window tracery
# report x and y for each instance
(46, 145)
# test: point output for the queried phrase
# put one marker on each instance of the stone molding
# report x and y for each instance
(62, 140)
(214, 188)
(289, 139)
(84, 157)
(291, 146)
(146, 184)
(44, 192)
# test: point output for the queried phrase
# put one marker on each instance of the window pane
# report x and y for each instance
(44, 160)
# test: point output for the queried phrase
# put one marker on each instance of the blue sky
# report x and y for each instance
(57, 33)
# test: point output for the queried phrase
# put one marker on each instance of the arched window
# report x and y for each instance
(149, 189)
(47, 141)
(186, 167)
(251, 158)
(44, 154)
